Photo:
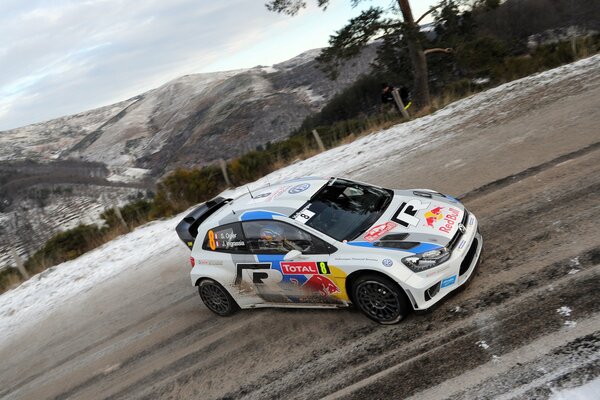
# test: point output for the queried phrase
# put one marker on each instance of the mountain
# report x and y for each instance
(190, 121)
(57, 174)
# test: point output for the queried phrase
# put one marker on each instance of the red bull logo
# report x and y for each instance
(433, 215)
(450, 220)
(322, 285)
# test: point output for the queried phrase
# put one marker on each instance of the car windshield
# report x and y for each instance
(344, 209)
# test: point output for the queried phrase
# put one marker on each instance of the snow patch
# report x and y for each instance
(127, 175)
(589, 391)
(300, 59)
(564, 311)
(269, 70)
(481, 81)
(574, 262)
(483, 344)
(23, 306)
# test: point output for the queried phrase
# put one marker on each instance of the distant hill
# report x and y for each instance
(190, 121)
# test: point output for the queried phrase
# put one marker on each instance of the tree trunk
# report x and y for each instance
(417, 57)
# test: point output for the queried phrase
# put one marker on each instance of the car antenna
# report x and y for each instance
(248, 187)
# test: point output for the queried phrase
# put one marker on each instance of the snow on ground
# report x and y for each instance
(564, 311)
(36, 298)
(46, 140)
(588, 391)
(310, 94)
(46, 291)
(372, 151)
(127, 175)
(300, 59)
(269, 70)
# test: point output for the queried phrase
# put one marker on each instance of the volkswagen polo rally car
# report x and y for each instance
(315, 242)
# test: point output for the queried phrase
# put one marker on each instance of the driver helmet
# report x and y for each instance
(272, 233)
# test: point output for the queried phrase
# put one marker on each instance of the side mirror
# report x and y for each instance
(292, 254)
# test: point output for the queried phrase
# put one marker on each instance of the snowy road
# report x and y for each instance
(525, 157)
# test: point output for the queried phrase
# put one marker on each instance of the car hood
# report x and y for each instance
(416, 216)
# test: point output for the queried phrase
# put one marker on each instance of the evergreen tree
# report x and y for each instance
(369, 24)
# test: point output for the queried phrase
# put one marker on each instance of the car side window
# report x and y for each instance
(276, 237)
(226, 238)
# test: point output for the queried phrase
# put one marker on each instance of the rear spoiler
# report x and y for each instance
(187, 229)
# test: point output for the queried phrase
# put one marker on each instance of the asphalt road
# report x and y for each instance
(527, 324)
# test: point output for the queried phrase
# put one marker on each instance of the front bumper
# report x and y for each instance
(427, 288)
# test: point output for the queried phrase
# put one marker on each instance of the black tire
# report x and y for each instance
(216, 298)
(380, 299)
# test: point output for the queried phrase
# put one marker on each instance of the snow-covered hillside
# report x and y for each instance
(186, 121)
(46, 140)
(51, 289)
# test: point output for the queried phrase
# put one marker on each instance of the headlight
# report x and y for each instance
(427, 260)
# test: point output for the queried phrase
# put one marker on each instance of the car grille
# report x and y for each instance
(454, 241)
(466, 263)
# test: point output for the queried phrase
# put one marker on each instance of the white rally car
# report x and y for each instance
(315, 242)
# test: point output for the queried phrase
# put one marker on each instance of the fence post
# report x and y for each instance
(117, 211)
(223, 165)
(399, 103)
(19, 264)
(318, 139)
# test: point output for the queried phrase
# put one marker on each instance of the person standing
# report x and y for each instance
(387, 96)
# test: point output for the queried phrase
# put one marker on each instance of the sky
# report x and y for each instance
(60, 57)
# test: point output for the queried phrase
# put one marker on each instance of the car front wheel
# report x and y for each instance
(216, 298)
(380, 299)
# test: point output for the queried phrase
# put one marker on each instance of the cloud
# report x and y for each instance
(68, 56)
(73, 55)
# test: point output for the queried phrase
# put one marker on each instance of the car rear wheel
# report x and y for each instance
(380, 299)
(216, 298)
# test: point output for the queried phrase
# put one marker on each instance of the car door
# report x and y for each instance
(226, 255)
(306, 278)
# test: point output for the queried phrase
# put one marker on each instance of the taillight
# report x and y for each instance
(192, 261)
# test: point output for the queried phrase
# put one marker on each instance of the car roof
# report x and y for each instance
(280, 199)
